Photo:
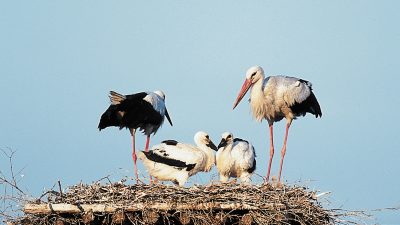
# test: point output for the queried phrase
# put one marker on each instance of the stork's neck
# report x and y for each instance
(257, 89)
(257, 100)
(210, 158)
(157, 102)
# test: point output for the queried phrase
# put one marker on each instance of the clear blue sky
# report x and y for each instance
(59, 59)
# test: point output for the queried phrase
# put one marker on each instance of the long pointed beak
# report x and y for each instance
(212, 146)
(167, 115)
(245, 87)
(222, 143)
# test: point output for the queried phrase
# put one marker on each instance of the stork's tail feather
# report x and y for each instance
(110, 117)
(116, 98)
(251, 170)
(314, 107)
(309, 105)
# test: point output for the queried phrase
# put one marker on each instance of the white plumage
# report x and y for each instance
(277, 97)
(235, 158)
(176, 162)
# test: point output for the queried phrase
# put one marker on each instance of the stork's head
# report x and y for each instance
(160, 93)
(227, 138)
(253, 74)
(202, 138)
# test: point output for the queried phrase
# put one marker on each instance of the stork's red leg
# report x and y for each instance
(147, 143)
(271, 149)
(283, 152)
(147, 149)
(134, 157)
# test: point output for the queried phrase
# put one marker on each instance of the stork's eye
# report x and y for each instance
(208, 137)
(229, 136)
(253, 74)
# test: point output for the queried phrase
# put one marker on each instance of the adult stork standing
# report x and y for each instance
(144, 111)
(235, 158)
(277, 97)
(176, 162)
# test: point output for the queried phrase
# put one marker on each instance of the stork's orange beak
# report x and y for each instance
(245, 87)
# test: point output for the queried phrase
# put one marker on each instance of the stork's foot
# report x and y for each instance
(138, 181)
(233, 181)
(154, 181)
(265, 180)
(276, 183)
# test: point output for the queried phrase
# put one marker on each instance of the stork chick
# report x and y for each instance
(176, 162)
(235, 158)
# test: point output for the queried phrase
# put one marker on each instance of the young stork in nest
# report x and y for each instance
(176, 162)
(235, 158)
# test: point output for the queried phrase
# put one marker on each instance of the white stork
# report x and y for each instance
(277, 97)
(235, 158)
(176, 162)
(144, 111)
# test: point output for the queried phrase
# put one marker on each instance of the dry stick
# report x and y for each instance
(3, 178)
(48, 192)
(104, 178)
(10, 199)
(59, 186)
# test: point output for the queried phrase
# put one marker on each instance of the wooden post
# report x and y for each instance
(220, 218)
(246, 220)
(88, 217)
(184, 218)
(150, 217)
(118, 217)
(59, 222)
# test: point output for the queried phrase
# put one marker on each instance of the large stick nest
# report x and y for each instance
(160, 204)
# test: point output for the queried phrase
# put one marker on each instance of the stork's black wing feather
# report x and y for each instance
(110, 117)
(151, 155)
(138, 112)
(250, 170)
(170, 142)
(239, 139)
(309, 105)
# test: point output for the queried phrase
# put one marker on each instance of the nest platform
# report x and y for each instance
(118, 203)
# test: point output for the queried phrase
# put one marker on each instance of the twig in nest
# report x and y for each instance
(59, 187)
